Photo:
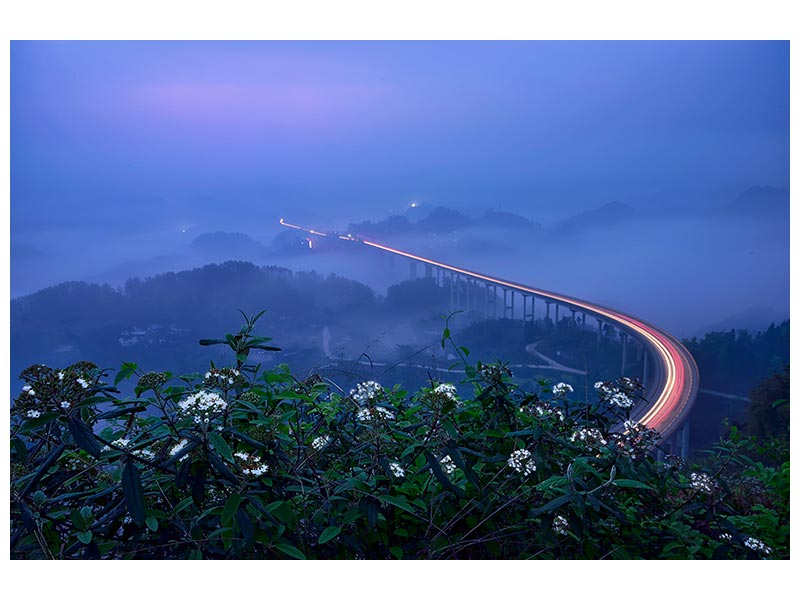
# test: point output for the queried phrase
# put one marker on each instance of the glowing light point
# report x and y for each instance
(413, 205)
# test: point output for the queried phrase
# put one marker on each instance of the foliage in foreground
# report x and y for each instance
(239, 463)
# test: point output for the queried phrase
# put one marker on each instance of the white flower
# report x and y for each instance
(621, 400)
(703, 482)
(121, 442)
(448, 466)
(364, 415)
(598, 385)
(321, 442)
(82, 382)
(396, 469)
(562, 389)
(208, 374)
(144, 453)
(178, 447)
(65, 405)
(384, 413)
(202, 406)
(589, 436)
(230, 380)
(560, 525)
(368, 390)
(757, 545)
(447, 389)
(33, 414)
(521, 462)
(252, 466)
(61, 375)
(726, 537)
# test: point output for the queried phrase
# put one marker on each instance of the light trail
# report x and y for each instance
(677, 367)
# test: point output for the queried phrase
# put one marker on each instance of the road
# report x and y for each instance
(674, 379)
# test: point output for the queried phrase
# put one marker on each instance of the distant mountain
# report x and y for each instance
(444, 220)
(612, 213)
(221, 245)
(761, 201)
(506, 220)
(395, 225)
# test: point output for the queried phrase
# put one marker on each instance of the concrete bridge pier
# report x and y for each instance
(557, 307)
(412, 270)
(683, 440)
(599, 330)
(644, 369)
(624, 352)
(547, 313)
(428, 270)
(526, 316)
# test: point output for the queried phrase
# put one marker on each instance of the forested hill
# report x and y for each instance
(735, 361)
(157, 321)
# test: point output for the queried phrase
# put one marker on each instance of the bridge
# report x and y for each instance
(669, 373)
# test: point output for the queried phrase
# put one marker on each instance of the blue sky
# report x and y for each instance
(164, 131)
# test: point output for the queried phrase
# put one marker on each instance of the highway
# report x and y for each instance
(673, 378)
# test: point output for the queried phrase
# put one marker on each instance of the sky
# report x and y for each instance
(125, 151)
(139, 132)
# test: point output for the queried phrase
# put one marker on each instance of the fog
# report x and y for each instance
(657, 172)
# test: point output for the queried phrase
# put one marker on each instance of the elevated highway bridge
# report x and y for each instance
(669, 373)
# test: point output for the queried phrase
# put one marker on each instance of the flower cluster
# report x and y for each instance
(33, 414)
(251, 465)
(616, 395)
(494, 373)
(703, 482)
(367, 392)
(178, 448)
(378, 412)
(544, 411)
(442, 394)
(521, 462)
(589, 437)
(29, 390)
(560, 525)
(562, 389)
(447, 464)
(321, 442)
(223, 378)
(757, 545)
(396, 469)
(202, 406)
(636, 440)
(152, 380)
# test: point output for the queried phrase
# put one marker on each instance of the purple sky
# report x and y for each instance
(169, 129)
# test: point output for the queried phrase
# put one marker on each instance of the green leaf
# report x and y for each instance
(221, 468)
(126, 370)
(230, 508)
(85, 536)
(221, 445)
(245, 525)
(83, 436)
(152, 522)
(329, 534)
(632, 483)
(133, 492)
(552, 505)
(290, 551)
(120, 411)
(397, 552)
(206, 342)
(398, 501)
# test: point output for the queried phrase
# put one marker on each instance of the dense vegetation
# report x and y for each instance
(242, 463)
(736, 361)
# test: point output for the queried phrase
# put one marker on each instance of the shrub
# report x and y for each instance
(240, 463)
